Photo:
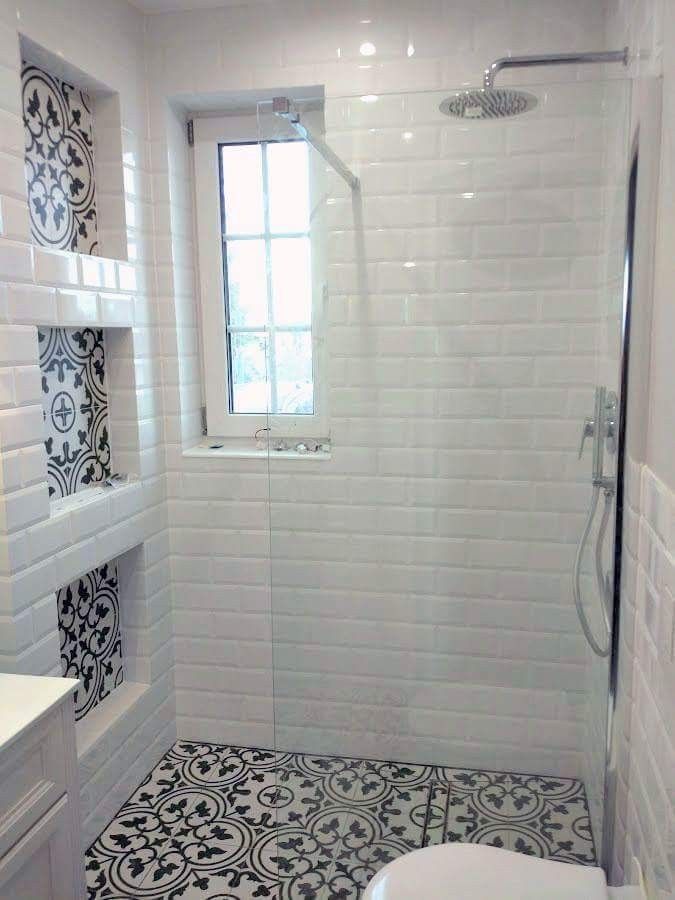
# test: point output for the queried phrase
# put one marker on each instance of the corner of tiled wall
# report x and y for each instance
(645, 747)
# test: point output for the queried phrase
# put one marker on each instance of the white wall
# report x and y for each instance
(645, 740)
(43, 548)
(381, 546)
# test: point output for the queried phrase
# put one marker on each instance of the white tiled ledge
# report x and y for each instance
(76, 537)
(246, 450)
(23, 261)
(39, 286)
(95, 495)
(93, 727)
(33, 304)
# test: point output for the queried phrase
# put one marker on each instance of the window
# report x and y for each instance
(259, 279)
(268, 277)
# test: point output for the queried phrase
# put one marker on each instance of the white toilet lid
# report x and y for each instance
(478, 872)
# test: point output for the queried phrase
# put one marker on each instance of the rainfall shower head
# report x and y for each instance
(488, 103)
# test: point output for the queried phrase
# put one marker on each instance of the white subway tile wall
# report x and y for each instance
(645, 735)
(45, 546)
(645, 815)
(421, 603)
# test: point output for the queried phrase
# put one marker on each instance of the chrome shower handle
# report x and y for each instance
(588, 430)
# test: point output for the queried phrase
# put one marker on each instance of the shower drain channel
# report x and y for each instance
(436, 813)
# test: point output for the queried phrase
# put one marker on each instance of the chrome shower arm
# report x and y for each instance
(551, 59)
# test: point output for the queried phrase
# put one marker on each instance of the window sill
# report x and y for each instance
(246, 450)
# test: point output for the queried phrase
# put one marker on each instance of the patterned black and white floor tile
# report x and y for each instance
(231, 823)
(540, 816)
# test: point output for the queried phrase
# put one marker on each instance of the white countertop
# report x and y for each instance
(26, 698)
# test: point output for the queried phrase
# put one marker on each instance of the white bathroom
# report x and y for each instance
(337, 449)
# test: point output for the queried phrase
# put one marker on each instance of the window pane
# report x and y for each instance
(288, 186)
(247, 283)
(248, 373)
(293, 357)
(242, 188)
(291, 281)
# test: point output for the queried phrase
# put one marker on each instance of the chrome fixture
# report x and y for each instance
(602, 427)
(282, 107)
(490, 102)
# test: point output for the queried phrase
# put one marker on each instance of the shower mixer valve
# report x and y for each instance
(601, 426)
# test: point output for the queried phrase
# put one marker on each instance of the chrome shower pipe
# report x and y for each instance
(552, 59)
(282, 107)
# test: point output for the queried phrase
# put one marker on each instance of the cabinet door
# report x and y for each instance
(32, 778)
(42, 865)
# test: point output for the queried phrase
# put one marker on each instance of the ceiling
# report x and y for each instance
(161, 6)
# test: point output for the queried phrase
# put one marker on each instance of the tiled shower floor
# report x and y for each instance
(228, 823)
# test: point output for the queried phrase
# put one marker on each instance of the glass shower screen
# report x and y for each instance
(459, 306)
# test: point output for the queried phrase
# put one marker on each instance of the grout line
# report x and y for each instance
(427, 813)
(446, 813)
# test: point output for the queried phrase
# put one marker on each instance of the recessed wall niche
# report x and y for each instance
(90, 636)
(59, 159)
(75, 408)
(73, 157)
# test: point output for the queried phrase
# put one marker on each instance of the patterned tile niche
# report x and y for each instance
(59, 160)
(75, 407)
(89, 629)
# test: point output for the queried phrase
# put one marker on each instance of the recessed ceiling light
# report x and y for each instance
(409, 265)
(369, 98)
(367, 49)
(407, 135)
(411, 49)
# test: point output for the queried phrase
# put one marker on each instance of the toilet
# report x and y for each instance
(479, 872)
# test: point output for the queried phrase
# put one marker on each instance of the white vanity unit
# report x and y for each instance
(40, 840)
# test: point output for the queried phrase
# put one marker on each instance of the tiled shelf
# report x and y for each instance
(86, 529)
(56, 287)
(105, 716)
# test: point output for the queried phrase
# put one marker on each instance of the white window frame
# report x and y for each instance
(209, 133)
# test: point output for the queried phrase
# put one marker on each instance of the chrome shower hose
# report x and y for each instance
(604, 648)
